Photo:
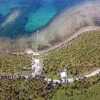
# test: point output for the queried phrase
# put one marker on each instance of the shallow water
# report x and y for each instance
(56, 20)
(32, 15)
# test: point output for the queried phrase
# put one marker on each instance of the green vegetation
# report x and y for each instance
(13, 64)
(80, 57)
(32, 89)
(86, 89)
(18, 89)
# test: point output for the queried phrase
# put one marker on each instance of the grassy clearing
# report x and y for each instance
(80, 57)
(13, 64)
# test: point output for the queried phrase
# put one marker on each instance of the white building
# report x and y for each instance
(35, 62)
(63, 74)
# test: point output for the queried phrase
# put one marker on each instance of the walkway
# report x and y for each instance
(82, 31)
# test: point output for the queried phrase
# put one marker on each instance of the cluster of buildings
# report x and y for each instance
(36, 68)
(35, 64)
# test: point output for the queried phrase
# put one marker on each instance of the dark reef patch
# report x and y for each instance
(15, 28)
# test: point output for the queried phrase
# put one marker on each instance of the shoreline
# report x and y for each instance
(59, 30)
(65, 43)
(59, 45)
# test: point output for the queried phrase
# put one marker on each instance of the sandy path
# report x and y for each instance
(82, 31)
(86, 29)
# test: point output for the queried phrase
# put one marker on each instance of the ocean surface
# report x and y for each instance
(23, 17)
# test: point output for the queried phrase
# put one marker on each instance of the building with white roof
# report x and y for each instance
(35, 61)
(63, 74)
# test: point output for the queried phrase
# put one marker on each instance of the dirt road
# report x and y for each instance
(82, 31)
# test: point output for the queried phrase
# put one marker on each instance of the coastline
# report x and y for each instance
(57, 46)
(60, 29)
(65, 43)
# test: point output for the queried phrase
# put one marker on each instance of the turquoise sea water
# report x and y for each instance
(22, 17)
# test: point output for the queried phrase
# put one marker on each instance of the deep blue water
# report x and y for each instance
(22, 17)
